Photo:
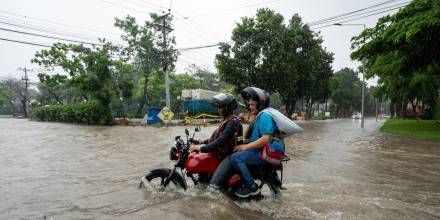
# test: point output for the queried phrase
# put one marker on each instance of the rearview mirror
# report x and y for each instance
(198, 129)
(186, 132)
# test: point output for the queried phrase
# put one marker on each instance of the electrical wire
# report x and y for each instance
(359, 14)
(349, 13)
(192, 33)
(202, 29)
(231, 9)
(197, 47)
(140, 4)
(359, 18)
(50, 37)
(37, 28)
(24, 42)
(90, 30)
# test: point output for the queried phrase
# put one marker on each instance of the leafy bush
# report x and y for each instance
(91, 112)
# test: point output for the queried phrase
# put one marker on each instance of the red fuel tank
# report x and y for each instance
(201, 163)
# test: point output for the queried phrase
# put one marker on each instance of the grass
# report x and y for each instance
(418, 129)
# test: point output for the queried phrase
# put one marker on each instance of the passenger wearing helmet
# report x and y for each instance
(224, 139)
(258, 134)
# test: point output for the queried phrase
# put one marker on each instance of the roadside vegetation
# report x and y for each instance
(419, 129)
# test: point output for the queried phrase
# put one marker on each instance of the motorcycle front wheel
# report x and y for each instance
(156, 179)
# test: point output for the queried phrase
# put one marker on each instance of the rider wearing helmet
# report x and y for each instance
(224, 138)
(258, 134)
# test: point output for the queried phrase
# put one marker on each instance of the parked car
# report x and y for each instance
(357, 115)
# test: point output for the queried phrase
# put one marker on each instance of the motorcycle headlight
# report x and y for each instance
(173, 153)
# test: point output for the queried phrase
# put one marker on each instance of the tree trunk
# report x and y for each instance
(309, 105)
(289, 105)
(23, 103)
(55, 96)
(144, 97)
(11, 105)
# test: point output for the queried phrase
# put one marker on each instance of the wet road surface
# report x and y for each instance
(337, 171)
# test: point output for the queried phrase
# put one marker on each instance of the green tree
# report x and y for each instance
(207, 79)
(51, 86)
(88, 71)
(346, 92)
(7, 97)
(147, 48)
(275, 57)
(18, 89)
(402, 50)
(318, 90)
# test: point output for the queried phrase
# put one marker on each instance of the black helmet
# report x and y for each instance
(256, 94)
(224, 100)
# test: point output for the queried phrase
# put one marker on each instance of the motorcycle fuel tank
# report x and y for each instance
(201, 163)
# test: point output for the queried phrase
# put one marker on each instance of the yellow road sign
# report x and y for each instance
(166, 115)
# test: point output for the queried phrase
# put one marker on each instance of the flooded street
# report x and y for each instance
(337, 171)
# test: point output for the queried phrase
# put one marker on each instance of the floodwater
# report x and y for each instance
(337, 171)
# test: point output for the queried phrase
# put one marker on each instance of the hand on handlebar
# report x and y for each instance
(195, 141)
(194, 148)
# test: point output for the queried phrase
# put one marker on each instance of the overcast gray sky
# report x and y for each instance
(208, 22)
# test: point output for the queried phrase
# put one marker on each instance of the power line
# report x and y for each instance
(25, 42)
(231, 9)
(201, 28)
(357, 14)
(359, 17)
(194, 34)
(35, 28)
(197, 47)
(156, 5)
(25, 17)
(349, 13)
(140, 4)
(122, 6)
(50, 37)
(201, 50)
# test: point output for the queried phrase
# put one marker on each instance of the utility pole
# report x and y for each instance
(25, 78)
(165, 29)
(363, 74)
(375, 100)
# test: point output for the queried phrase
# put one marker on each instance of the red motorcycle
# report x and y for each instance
(201, 166)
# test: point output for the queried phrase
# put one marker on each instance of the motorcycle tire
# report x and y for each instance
(268, 190)
(162, 174)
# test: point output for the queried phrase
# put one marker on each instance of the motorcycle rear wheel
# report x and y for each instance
(268, 190)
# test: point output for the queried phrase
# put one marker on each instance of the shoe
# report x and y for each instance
(245, 192)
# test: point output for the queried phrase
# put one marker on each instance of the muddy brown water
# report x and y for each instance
(337, 171)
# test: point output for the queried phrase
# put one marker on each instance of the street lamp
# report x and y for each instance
(363, 74)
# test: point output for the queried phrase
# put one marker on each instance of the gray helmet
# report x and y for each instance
(256, 94)
(224, 100)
